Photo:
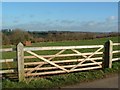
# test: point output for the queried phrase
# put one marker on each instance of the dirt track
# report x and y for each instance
(109, 82)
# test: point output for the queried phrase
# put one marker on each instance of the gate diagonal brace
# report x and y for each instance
(86, 59)
(76, 51)
(46, 60)
(30, 71)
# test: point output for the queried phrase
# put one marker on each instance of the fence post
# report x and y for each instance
(20, 60)
(108, 48)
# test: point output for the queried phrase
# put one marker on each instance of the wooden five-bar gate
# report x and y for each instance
(40, 65)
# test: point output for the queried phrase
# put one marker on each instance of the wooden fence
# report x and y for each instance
(65, 63)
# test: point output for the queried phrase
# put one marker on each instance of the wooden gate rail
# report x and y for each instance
(62, 55)
(61, 61)
(66, 66)
(61, 47)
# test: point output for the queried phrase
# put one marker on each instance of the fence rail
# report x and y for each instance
(60, 47)
(61, 61)
(116, 51)
(62, 55)
(7, 49)
(7, 61)
(48, 64)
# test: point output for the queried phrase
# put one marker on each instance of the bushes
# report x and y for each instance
(5, 39)
(18, 35)
(15, 36)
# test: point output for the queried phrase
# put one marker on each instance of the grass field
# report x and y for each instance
(100, 41)
(66, 79)
(72, 43)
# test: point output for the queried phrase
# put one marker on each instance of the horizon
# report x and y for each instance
(56, 31)
(62, 16)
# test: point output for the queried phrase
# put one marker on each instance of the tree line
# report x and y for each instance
(17, 35)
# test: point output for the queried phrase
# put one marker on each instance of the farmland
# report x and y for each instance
(72, 43)
(63, 79)
(100, 41)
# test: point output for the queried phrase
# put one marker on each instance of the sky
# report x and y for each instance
(61, 16)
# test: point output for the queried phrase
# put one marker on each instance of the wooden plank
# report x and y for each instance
(60, 71)
(47, 61)
(66, 66)
(88, 68)
(62, 55)
(116, 44)
(60, 47)
(6, 71)
(61, 61)
(6, 49)
(117, 51)
(20, 56)
(115, 59)
(6, 60)
(86, 58)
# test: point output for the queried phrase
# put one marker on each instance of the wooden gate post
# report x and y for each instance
(20, 60)
(108, 48)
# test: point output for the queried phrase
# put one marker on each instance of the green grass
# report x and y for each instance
(65, 79)
(71, 43)
(100, 41)
(80, 42)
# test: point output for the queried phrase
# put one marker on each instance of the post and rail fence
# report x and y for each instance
(47, 65)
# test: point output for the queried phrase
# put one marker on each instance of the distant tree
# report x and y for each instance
(5, 39)
(17, 36)
(89, 36)
(27, 37)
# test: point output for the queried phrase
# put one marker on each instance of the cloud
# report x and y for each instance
(111, 18)
(108, 25)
